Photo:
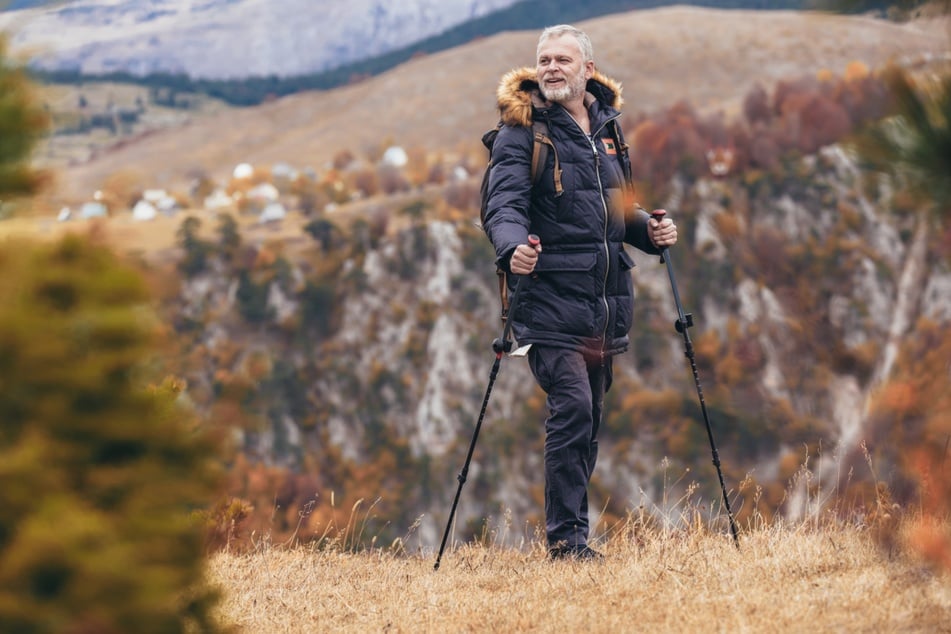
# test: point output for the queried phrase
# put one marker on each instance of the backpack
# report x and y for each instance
(539, 156)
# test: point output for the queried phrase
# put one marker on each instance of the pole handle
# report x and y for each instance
(658, 215)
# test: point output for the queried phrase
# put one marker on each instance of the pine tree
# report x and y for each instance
(915, 145)
(100, 474)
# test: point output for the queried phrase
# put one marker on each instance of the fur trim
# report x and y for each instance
(518, 91)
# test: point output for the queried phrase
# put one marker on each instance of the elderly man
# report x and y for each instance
(576, 308)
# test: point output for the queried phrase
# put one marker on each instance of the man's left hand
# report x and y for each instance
(663, 233)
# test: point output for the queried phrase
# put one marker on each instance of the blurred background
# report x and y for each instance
(296, 186)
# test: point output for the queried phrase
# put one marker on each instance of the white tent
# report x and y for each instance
(144, 210)
(93, 210)
(265, 192)
(242, 171)
(272, 213)
(218, 200)
(167, 205)
(395, 156)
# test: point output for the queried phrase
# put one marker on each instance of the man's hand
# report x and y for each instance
(524, 258)
(662, 233)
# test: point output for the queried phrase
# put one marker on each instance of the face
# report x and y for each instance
(561, 73)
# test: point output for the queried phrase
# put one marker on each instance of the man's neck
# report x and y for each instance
(579, 113)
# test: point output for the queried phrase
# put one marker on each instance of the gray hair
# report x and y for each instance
(584, 42)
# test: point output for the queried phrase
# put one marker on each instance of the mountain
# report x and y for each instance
(443, 102)
(223, 39)
(315, 45)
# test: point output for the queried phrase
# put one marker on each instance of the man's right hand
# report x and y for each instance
(524, 259)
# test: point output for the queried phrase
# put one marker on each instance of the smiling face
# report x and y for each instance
(561, 69)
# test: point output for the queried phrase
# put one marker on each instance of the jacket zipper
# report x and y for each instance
(607, 248)
(604, 240)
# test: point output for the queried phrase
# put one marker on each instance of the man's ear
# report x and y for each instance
(589, 69)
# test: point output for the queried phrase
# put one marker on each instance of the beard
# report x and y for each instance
(573, 88)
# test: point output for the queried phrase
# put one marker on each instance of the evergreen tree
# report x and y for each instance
(915, 145)
(99, 473)
(196, 250)
(22, 123)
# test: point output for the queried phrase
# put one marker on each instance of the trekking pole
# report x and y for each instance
(685, 321)
(500, 346)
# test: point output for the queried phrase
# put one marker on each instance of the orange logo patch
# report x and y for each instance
(610, 147)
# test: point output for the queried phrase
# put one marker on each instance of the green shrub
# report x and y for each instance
(100, 473)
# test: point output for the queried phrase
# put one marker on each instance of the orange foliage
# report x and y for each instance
(801, 116)
(911, 427)
(264, 258)
(931, 536)
(707, 347)
(265, 503)
(728, 226)
(898, 399)
(856, 71)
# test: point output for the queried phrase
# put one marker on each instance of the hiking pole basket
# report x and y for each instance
(500, 346)
(685, 321)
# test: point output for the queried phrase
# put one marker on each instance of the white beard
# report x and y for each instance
(567, 92)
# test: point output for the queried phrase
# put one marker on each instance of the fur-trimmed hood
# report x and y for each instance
(518, 91)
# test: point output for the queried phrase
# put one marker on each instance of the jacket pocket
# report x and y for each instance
(627, 262)
(624, 297)
(563, 293)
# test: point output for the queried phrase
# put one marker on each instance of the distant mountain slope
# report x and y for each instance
(237, 39)
(228, 38)
(16, 5)
(443, 102)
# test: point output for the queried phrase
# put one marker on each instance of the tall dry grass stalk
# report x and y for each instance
(654, 578)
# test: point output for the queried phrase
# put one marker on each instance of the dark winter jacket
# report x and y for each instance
(581, 295)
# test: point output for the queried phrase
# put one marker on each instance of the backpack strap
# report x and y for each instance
(540, 155)
(623, 152)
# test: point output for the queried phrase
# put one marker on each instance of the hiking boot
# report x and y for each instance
(578, 552)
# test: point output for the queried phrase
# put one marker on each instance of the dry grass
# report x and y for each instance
(782, 579)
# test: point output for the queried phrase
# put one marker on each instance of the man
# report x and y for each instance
(576, 307)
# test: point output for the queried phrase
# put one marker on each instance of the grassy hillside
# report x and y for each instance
(92, 116)
(783, 579)
(443, 102)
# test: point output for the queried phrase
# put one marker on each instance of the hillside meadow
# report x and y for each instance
(442, 103)
(809, 577)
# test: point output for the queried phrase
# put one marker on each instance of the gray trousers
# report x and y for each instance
(575, 387)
